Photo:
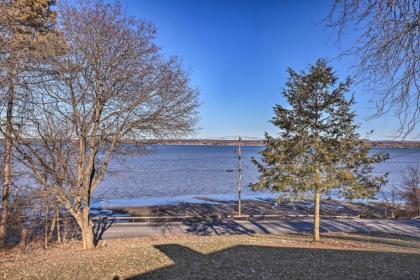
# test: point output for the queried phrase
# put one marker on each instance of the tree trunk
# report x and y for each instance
(47, 213)
(316, 214)
(24, 239)
(64, 228)
(58, 227)
(53, 224)
(86, 227)
(7, 164)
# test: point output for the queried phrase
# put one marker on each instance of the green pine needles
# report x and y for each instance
(318, 148)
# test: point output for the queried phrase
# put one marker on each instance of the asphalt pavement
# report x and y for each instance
(409, 227)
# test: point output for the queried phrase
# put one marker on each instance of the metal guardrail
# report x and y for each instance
(148, 219)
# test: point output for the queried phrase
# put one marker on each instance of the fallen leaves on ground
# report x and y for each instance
(338, 256)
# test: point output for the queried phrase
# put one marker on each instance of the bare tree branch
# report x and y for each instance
(388, 52)
(106, 84)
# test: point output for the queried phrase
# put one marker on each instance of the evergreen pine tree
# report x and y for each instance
(318, 148)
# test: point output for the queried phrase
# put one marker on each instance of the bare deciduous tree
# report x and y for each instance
(388, 52)
(410, 188)
(390, 200)
(109, 86)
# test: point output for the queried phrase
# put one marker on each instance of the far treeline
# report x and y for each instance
(84, 77)
(246, 142)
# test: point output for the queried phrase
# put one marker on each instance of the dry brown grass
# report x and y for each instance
(341, 256)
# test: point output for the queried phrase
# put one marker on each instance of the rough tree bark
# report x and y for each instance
(54, 224)
(47, 212)
(64, 229)
(59, 239)
(86, 227)
(7, 160)
(316, 214)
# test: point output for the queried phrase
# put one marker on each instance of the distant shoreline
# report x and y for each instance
(221, 142)
(248, 142)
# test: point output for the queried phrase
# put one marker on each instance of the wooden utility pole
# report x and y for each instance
(239, 187)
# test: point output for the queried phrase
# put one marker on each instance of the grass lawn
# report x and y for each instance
(341, 256)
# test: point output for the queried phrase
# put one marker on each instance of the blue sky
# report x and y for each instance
(238, 53)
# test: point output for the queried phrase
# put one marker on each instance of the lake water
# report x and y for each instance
(172, 173)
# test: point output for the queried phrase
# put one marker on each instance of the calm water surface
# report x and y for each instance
(183, 173)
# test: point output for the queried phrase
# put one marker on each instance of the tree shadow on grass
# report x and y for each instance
(258, 262)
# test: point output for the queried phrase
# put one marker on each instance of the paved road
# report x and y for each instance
(127, 230)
